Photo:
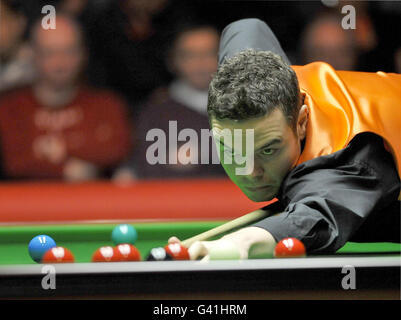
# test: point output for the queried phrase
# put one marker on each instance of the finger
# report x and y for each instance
(200, 249)
(174, 240)
(197, 250)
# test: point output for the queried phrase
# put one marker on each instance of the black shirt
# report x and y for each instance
(350, 195)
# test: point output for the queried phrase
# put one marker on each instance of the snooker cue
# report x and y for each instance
(231, 225)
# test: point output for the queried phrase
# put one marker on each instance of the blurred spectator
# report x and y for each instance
(386, 23)
(15, 54)
(58, 128)
(193, 59)
(325, 40)
(85, 12)
(365, 33)
(373, 35)
(128, 47)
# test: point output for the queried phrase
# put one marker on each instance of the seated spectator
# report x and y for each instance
(193, 60)
(128, 43)
(365, 31)
(325, 40)
(85, 12)
(126, 33)
(15, 54)
(58, 128)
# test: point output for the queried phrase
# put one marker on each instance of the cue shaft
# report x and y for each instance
(242, 221)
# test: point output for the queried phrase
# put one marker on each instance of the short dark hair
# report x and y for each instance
(252, 84)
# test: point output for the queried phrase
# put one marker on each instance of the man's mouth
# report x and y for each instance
(257, 188)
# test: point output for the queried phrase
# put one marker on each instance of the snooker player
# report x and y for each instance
(326, 145)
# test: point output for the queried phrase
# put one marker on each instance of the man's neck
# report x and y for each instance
(52, 97)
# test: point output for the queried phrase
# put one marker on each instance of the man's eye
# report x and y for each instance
(267, 151)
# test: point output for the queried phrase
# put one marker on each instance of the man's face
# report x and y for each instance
(59, 55)
(195, 57)
(330, 43)
(276, 151)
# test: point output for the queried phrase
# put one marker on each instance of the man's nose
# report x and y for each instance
(257, 171)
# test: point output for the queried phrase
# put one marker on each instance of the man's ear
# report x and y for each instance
(302, 121)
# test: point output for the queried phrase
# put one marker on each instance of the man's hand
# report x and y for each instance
(51, 148)
(124, 175)
(249, 242)
(76, 170)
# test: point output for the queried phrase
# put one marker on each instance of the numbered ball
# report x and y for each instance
(58, 255)
(124, 233)
(289, 248)
(158, 254)
(106, 254)
(177, 251)
(128, 252)
(39, 245)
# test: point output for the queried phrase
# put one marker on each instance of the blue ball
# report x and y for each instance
(124, 233)
(39, 245)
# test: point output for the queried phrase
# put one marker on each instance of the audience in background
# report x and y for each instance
(384, 24)
(15, 54)
(373, 41)
(83, 11)
(325, 40)
(53, 126)
(58, 128)
(128, 45)
(364, 33)
(193, 60)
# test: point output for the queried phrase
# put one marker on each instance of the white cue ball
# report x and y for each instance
(224, 250)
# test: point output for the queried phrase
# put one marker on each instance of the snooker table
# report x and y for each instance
(377, 265)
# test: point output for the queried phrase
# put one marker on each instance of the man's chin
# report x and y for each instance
(260, 197)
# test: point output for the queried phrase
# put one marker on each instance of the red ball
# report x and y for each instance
(128, 252)
(177, 251)
(106, 254)
(289, 248)
(58, 255)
